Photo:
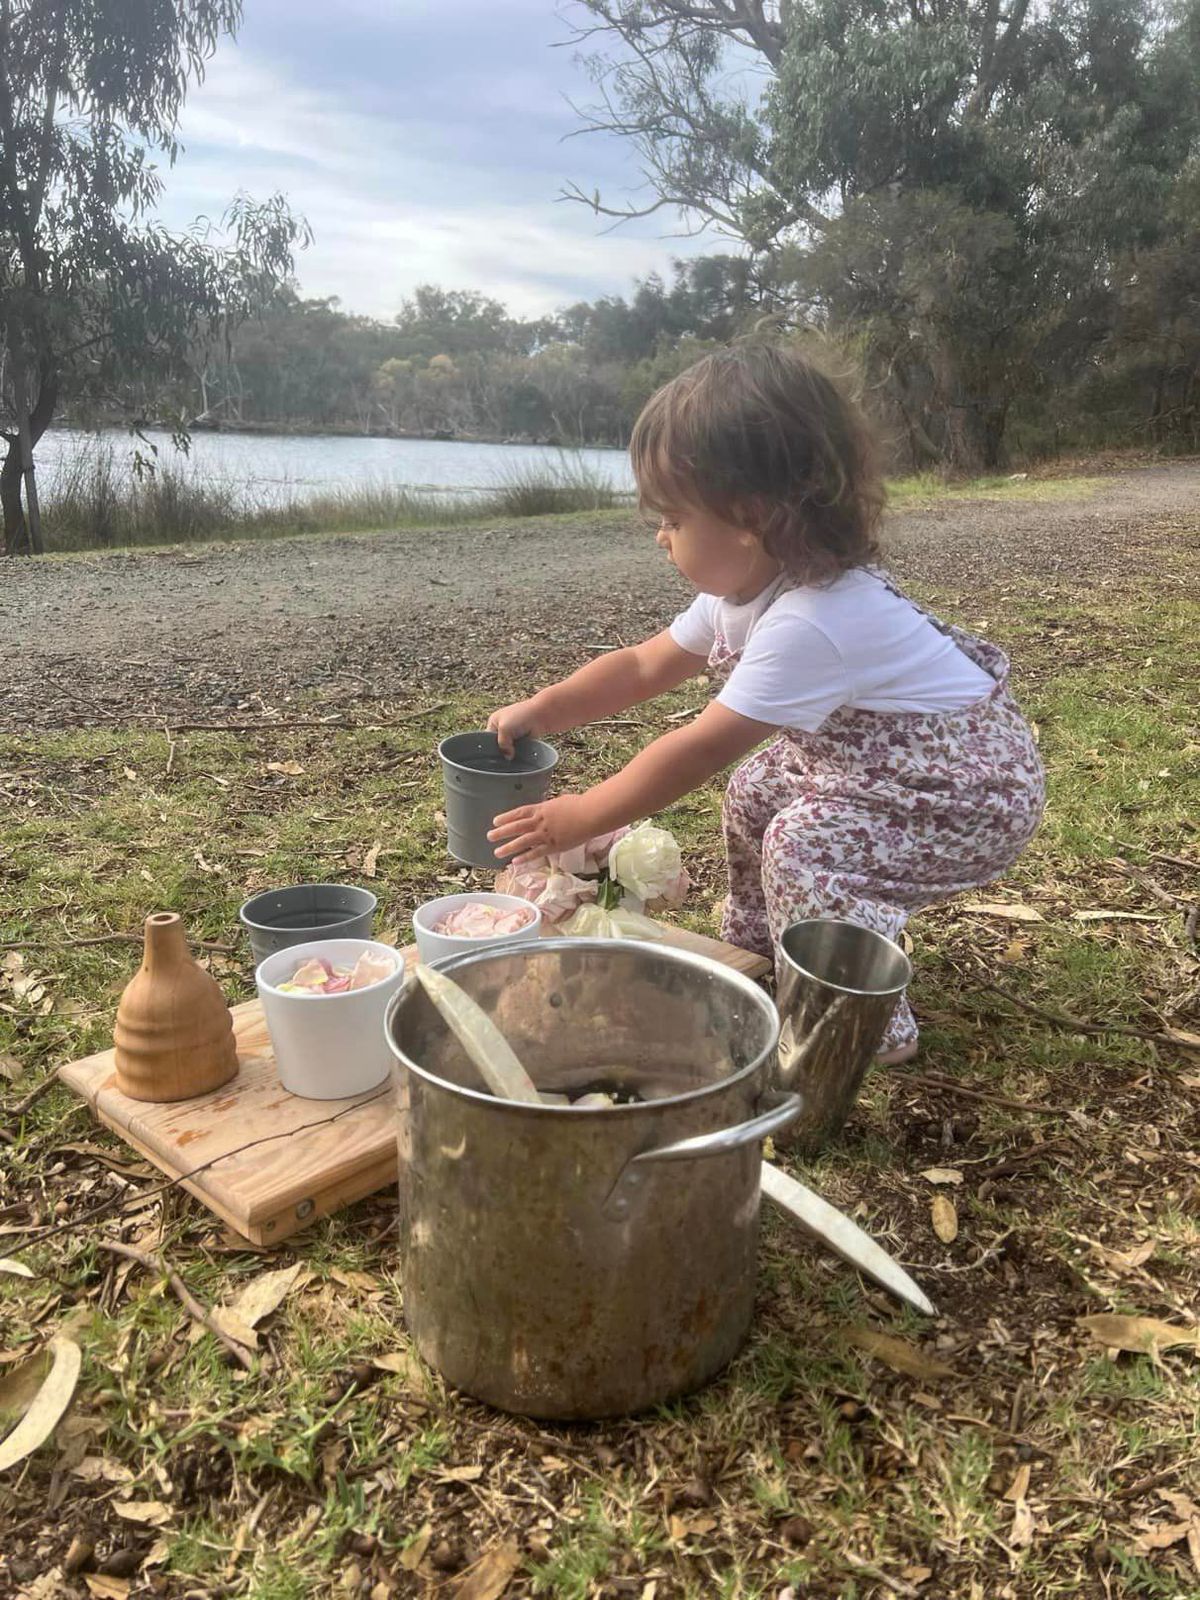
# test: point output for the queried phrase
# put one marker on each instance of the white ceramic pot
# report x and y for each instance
(328, 1046)
(433, 946)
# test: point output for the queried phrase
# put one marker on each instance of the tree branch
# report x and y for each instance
(191, 1305)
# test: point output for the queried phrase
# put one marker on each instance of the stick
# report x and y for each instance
(1189, 926)
(1022, 1158)
(1155, 855)
(122, 1203)
(317, 722)
(189, 1302)
(107, 938)
(1062, 1019)
(1155, 890)
(934, 1080)
(32, 1098)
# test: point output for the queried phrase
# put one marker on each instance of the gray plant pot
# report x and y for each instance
(278, 918)
(481, 782)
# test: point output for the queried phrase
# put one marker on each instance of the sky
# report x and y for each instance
(423, 141)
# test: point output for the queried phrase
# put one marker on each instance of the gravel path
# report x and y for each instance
(345, 622)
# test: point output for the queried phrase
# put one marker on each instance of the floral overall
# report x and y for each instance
(878, 814)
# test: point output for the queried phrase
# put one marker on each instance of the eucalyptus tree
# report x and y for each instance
(95, 295)
(947, 181)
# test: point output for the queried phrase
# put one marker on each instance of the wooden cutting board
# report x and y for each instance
(265, 1160)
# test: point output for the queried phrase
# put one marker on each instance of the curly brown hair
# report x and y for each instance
(759, 435)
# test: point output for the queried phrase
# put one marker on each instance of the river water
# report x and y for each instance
(278, 469)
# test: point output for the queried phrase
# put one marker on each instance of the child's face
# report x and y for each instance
(718, 557)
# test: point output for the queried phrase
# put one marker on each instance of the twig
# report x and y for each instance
(1189, 926)
(1155, 890)
(128, 1202)
(171, 748)
(1022, 1158)
(1155, 855)
(107, 938)
(986, 1255)
(32, 1098)
(872, 1571)
(189, 1302)
(317, 722)
(1152, 1480)
(1063, 1019)
(935, 1080)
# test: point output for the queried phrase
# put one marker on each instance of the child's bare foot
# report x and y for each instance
(898, 1056)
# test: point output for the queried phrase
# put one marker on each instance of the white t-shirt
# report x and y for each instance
(805, 652)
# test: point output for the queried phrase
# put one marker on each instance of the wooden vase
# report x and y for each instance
(174, 1033)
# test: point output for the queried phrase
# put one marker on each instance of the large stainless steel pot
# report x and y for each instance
(585, 1263)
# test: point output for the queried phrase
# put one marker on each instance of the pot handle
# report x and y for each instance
(787, 1108)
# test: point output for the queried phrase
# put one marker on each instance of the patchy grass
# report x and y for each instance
(926, 488)
(1036, 1469)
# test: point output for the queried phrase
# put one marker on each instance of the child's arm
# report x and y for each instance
(670, 767)
(610, 684)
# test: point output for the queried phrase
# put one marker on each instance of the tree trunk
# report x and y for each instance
(16, 535)
(21, 537)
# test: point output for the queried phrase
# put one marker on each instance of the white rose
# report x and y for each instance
(646, 862)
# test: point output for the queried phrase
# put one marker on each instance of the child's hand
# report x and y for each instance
(531, 832)
(513, 722)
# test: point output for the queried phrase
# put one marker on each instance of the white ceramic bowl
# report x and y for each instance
(433, 946)
(328, 1046)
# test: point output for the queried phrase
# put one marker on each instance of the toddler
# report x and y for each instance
(891, 768)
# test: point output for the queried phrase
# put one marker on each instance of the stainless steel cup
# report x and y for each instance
(838, 986)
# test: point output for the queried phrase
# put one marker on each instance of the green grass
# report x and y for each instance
(926, 488)
(820, 1466)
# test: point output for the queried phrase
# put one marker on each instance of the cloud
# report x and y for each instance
(424, 144)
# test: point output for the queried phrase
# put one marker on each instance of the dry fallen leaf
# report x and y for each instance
(413, 1554)
(898, 1354)
(1008, 911)
(1143, 1335)
(106, 1588)
(468, 1474)
(1181, 1504)
(1126, 1260)
(10, 1067)
(18, 1269)
(289, 769)
(45, 1410)
(101, 1469)
(1019, 1487)
(1020, 1535)
(19, 1387)
(260, 1297)
(491, 1574)
(944, 1218)
(371, 860)
(681, 1528)
(349, 1278)
(150, 1513)
(942, 1175)
(266, 1294)
(1162, 1537)
(402, 1362)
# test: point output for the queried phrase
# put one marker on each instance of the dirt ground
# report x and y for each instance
(343, 621)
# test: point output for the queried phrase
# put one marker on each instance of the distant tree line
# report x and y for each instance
(457, 363)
